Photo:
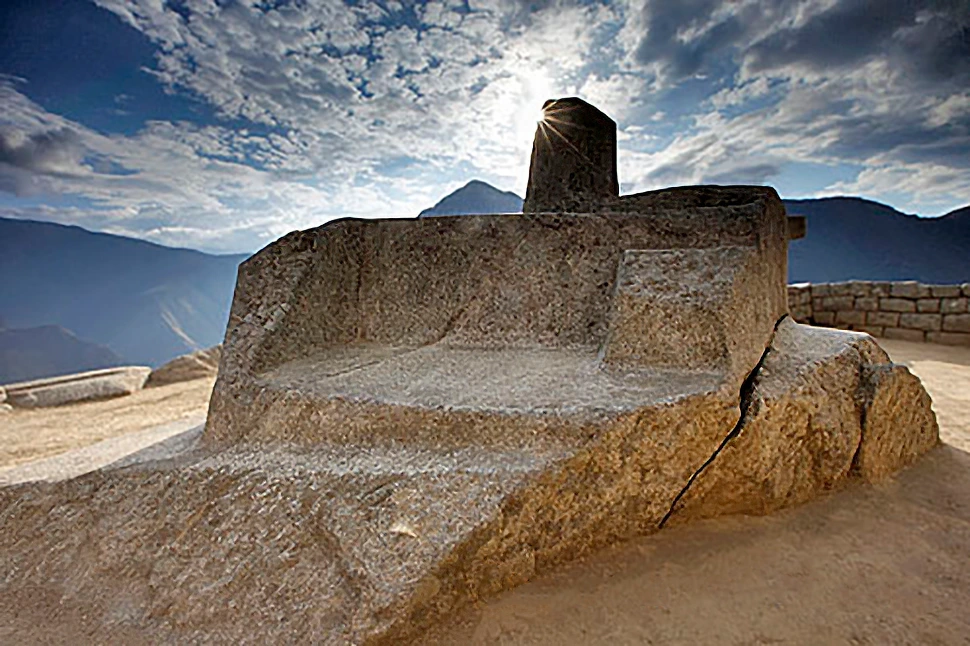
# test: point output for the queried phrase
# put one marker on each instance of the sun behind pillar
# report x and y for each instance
(573, 166)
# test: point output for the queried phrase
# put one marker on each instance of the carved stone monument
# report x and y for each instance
(573, 165)
(412, 414)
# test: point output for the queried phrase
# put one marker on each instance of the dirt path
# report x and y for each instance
(888, 564)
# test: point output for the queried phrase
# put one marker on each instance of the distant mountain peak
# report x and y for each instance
(475, 197)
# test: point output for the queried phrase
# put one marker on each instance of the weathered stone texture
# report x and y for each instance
(412, 414)
(496, 282)
(928, 305)
(799, 294)
(840, 289)
(954, 305)
(916, 336)
(573, 159)
(801, 313)
(898, 423)
(906, 289)
(814, 379)
(945, 291)
(859, 288)
(690, 309)
(885, 319)
(897, 305)
(197, 365)
(921, 321)
(824, 318)
(851, 317)
(836, 303)
(915, 306)
(821, 289)
(956, 322)
(881, 289)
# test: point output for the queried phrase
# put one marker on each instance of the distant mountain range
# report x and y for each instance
(848, 237)
(74, 300)
(48, 351)
(852, 238)
(145, 303)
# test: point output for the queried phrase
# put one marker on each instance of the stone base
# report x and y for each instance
(358, 538)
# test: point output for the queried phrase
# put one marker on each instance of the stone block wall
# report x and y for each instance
(909, 311)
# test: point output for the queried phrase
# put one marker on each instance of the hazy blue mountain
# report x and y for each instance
(47, 351)
(145, 302)
(852, 238)
(848, 237)
(475, 197)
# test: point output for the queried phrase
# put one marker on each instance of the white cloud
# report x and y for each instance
(374, 110)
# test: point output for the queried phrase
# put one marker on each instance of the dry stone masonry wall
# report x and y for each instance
(909, 311)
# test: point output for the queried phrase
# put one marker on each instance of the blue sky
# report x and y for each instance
(221, 125)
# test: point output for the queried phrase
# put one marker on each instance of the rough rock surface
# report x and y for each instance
(809, 422)
(197, 365)
(693, 309)
(410, 415)
(83, 386)
(893, 398)
(347, 543)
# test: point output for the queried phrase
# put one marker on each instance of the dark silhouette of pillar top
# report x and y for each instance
(573, 159)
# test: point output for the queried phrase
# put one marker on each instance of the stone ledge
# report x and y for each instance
(84, 386)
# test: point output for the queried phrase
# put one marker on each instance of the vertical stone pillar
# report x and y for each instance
(573, 159)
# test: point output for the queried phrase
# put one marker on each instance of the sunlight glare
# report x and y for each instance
(536, 88)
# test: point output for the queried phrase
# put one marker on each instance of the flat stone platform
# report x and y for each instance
(553, 381)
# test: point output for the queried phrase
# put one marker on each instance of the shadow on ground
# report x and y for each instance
(871, 565)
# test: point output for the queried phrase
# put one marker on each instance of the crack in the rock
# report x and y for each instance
(744, 403)
(864, 396)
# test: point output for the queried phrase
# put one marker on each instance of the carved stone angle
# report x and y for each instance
(412, 414)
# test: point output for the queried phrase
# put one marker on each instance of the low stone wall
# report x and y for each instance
(909, 310)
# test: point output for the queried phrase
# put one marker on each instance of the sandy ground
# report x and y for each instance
(886, 564)
(27, 435)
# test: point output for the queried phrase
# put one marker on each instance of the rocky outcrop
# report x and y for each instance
(197, 365)
(343, 542)
(411, 415)
(817, 413)
(84, 386)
